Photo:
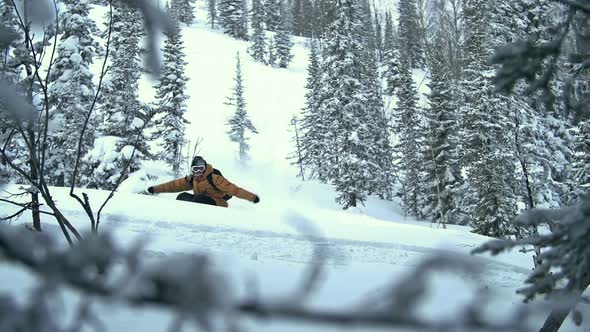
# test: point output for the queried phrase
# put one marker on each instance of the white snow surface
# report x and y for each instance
(370, 247)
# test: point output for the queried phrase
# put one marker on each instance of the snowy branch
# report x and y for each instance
(356, 318)
(563, 273)
(193, 288)
(27, 206)
(577, 4)
(155, 21)
(86, 204)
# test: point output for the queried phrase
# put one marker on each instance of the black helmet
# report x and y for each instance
(199, 161)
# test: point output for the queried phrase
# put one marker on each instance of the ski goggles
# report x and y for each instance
(198, 169)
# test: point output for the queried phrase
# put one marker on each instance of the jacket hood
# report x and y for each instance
(208, 170)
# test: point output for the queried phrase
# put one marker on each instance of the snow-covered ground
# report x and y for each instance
(368, 247)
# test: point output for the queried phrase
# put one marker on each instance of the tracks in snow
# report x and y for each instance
(263, 245)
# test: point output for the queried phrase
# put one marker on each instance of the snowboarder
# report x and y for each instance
(208, 185)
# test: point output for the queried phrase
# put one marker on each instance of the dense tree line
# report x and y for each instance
(465, 153)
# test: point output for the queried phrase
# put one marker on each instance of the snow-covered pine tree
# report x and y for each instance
(9, 72)
(171, 102)
(212, 12)
(272, 54)
(408, 127)
(581, 164)
(378, 36)
(245, 23)
(306, 22)
(564, 248)
(231, 18)
(9, 68)
(344, 109)
(124, 116)
(409, 33)
(578, 99)
(389, 37)
(282, 41)
(381, 151)
(542, 136)
(448, 20)
(258, 48)
(313, 125)
(298, 17)
(71, 94)
(9, 22)
(441, 160)
(488, 145)
(184, 10)
(391, 58)
(239, 124)
(367, 29)
(272, 14)
(425, 23)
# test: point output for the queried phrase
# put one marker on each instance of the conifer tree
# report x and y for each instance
(391, 58)
(408, 127)
(282, 43)
(124, 116)
(378, 37)
(171, 102)
(349, 163)
(367, 29)
(488, 146)
(380, 129)
(409, 33)
(72, 92)
(579, 95)
(303, 21)
(581, 162)
(441, 159)
(231, 17)
(184, 10)
(388, 34)
(313, 124)
(9, 22)
(212, 12)
(245, 23)
(272, 14)
(298, 17)
(258, 48)
(9, 70)
(272, 51)
(240, 123)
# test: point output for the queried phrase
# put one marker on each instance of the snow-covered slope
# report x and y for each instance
(368, 247)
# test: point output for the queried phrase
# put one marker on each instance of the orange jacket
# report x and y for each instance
(201, 186)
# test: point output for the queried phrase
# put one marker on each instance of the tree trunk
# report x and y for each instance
(554, 321)
(34, 168)
(558, 316)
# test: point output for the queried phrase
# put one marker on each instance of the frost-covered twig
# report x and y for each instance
(357, 318)
(125, 169)
(27, 206)
(86, 203)
(191, 287)
(185, 284)
(581, 5)
(564, 269)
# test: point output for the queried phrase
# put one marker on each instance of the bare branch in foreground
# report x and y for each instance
(192, 287)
